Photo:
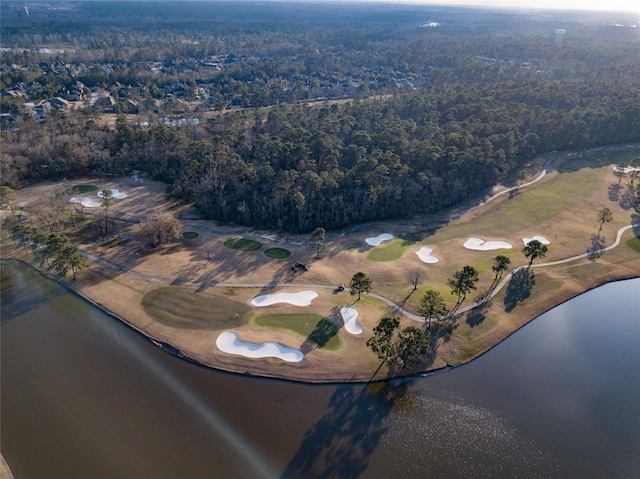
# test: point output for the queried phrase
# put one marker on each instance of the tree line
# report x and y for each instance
(298, 167)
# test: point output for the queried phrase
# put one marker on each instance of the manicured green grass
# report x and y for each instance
(82, 189)
(243, 244)
(634, 244)
(530, 207)
(190, 235)
(389, 252)
(313, 327)
(184, 307)
(277, 253)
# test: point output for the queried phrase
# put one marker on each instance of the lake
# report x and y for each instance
(84, 396)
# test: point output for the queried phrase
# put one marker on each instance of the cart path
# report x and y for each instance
(387, 301)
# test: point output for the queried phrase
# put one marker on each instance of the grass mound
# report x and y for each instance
(183, 307)
(390, 252)
(318, 330)
(190, 235)
(277, 253)
(243, 244)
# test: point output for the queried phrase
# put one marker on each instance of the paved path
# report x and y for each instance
(504, 282)
(395, 306)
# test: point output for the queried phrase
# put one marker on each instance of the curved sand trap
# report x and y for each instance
(425, 255)
(376, 240)
(542, 240)
(84, 201)
(350, 317)
(628, 169)
(228, 342)
(479, 244)
(114, 194)
(303, 298)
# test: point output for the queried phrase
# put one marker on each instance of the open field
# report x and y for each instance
(186, 293)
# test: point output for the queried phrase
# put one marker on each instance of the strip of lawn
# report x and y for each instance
(243, 244)
(277, 253)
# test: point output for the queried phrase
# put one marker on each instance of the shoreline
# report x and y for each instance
(351, 377)
(119, 279)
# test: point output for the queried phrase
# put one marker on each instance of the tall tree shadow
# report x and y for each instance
(635, 220)
(324, 331)
(628, 199)
(597, 247)
(519, 288)
(614, 192)
(477, 315)
(340, 444)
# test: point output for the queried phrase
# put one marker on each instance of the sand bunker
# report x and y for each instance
(628, 169)
(228, 342)
(114, 193)
(303, 298)
(84, 201)
(376, 240)
(425, 255)
(542, 240)
(479, 244)
(350, 317)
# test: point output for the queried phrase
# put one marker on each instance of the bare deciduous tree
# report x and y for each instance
(158, 229)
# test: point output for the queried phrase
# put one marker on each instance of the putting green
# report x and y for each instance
(243, 244)
(277, 253)
(389, 252)
(315, 328)
(190, 235)
(82, 189)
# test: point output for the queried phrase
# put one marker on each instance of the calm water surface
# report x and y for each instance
(85, 397)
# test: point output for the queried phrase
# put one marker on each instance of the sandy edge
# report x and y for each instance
(301, 375)
(5, 472)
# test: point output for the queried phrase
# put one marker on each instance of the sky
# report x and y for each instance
(601, 5)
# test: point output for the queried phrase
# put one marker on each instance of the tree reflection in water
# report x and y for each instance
(341, 443)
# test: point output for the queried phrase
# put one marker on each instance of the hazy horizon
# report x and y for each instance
(632, 6)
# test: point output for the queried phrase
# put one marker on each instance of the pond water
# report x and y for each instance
(85, 396)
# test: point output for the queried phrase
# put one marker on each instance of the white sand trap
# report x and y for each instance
(114, 193)
(228, 342)
(542, 240)
(425, 255)
(479, 244)
(350, 317)
(303, 298)
(628, 169)
(84, 201)
(376, 240)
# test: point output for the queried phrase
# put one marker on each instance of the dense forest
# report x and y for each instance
(298, 116)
